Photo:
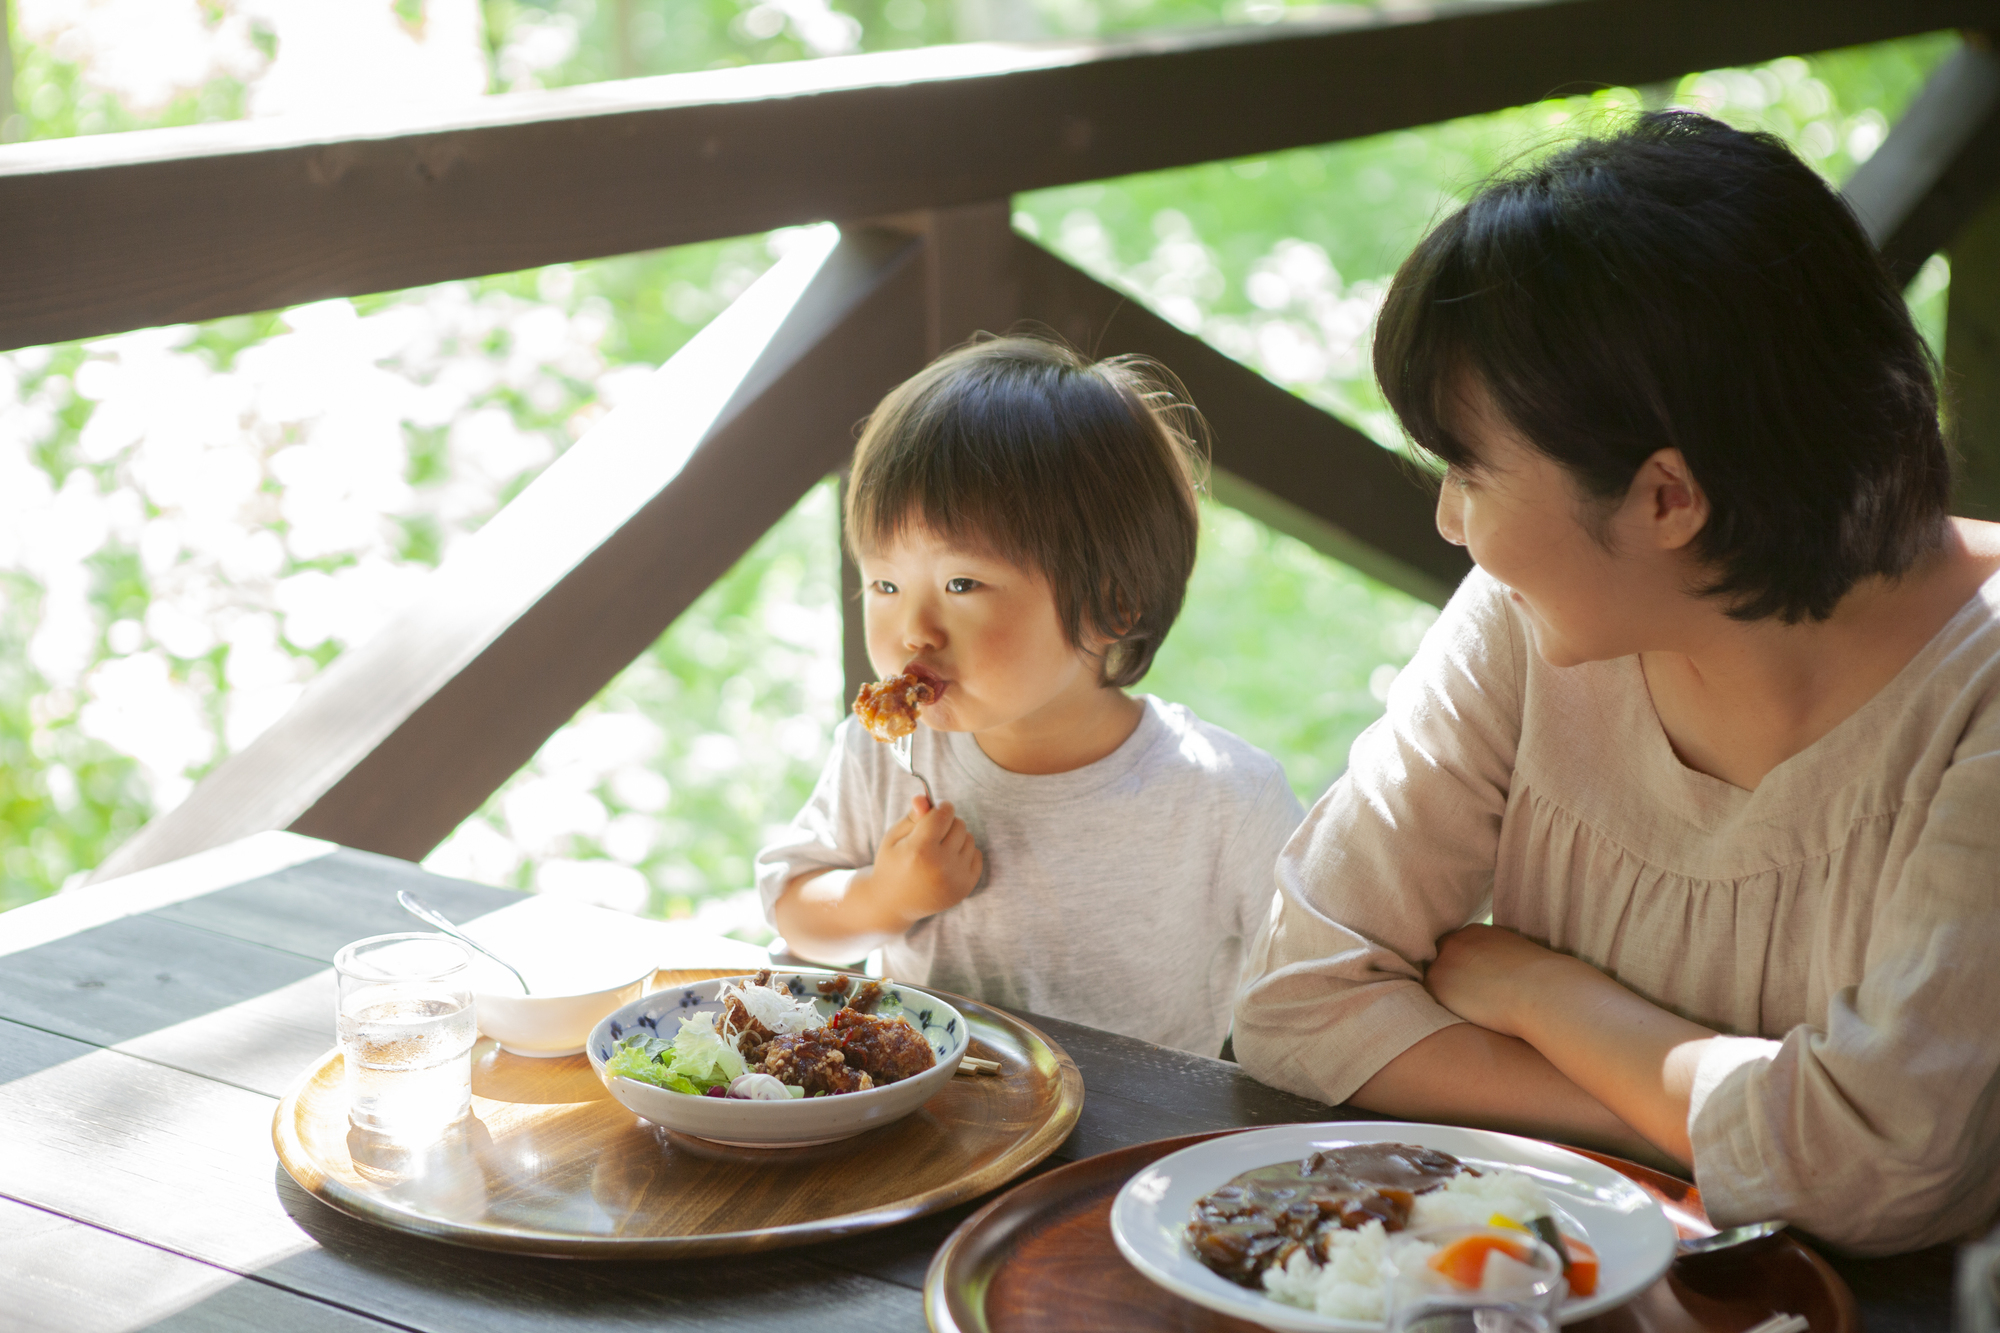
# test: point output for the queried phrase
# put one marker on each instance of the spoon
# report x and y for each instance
(430, 916)
(1729, 1237)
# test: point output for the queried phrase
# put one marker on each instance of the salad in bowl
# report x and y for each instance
(778, 1059)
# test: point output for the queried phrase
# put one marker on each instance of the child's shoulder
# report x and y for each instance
(1204, 751)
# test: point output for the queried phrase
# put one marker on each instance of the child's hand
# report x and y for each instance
(927, 862)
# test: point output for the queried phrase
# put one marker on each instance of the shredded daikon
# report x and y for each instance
(775, 1009)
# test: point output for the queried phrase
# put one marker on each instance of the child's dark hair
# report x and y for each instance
(1084, 472)
(1683, 284)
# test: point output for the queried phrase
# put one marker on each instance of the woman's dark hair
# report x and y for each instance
(1084, 472)
(1684, 284)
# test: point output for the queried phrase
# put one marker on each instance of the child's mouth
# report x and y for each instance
(938, 684)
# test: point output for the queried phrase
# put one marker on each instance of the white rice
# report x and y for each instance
(1354, 1282)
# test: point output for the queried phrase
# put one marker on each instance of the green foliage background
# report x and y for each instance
(1274, 259)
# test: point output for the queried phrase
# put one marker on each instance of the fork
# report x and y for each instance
(900, 747)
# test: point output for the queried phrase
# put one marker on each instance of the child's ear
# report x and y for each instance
(1124, 615)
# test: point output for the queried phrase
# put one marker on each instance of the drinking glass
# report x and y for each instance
(406, 1028)
(1518, 1291)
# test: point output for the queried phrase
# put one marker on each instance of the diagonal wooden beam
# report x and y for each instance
(403, 737)
(124, 231)
(1939, 165)
(1277, 457)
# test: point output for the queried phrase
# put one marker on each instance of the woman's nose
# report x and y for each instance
(1451, 513)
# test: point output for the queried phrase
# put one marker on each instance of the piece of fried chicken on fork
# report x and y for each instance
(888, 708)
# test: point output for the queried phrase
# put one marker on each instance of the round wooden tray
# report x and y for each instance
(1040, 1257)
(549, 1164)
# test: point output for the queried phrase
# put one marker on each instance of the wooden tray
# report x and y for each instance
(549, 1164)
(1040, 1257)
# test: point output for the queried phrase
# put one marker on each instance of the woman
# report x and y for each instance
(1713, 731)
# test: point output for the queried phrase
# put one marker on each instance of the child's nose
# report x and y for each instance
(921, 628)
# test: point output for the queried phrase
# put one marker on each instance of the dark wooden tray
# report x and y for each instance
(549, 1164)
(1040, 1257)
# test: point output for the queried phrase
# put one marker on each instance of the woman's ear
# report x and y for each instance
(1667, 500)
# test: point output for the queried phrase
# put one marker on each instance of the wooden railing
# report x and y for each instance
(917, 154)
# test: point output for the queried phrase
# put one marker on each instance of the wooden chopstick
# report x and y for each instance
(1781, 1323)
(972, 1064)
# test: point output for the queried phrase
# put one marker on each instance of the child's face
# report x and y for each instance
(986, 625)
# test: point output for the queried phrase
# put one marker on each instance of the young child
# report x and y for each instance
(1025, 525)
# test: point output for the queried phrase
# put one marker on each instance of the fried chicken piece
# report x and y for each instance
(835, 987)
(887, 1049)
(815, 1062)
(888, 708)
(751, 1034)
(864, 1000)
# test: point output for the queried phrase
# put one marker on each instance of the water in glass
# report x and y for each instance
(406, 1026)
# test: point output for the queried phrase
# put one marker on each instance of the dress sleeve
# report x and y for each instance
(1245, 866)
(1880, 1130)
(1399, 852)
(839, 827)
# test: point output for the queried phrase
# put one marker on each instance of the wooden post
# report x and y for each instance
(970, 287)
(853, 632)
(1972, 365)
(1930, 185)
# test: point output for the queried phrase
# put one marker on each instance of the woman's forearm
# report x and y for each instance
(1631, 1056)
(1465, 1074)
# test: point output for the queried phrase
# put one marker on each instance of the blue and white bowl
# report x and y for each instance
(789, 1124)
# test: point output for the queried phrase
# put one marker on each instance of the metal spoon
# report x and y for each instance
(1729, 1237)
(430, 916)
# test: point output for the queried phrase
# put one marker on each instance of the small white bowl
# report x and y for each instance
(582, 962)
(790, 1124)
(544, 1026)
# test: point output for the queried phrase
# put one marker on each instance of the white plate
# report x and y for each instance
(1633, 1238)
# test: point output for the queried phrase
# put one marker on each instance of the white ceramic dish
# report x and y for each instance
(790, 1124)
(582, 963)
(1633, 1238)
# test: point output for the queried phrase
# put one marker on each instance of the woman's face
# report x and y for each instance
(1591, 576)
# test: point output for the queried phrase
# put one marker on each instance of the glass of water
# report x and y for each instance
(406, 1028)
(1479, 1280)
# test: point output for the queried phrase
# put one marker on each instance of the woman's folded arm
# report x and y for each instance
(1879, 1127)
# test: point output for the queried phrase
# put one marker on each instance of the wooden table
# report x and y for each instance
(149, 1025)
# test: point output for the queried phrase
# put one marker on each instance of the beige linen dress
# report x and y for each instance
(1841, 921)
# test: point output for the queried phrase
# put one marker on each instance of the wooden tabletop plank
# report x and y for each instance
(137, 975)
(318, 906)
(61, 1276)
(186, 1163)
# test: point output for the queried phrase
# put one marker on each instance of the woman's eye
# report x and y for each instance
(882, 586)
(960, 585)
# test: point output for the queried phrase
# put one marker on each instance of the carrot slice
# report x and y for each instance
(1463, 1262)
(1582, 1267)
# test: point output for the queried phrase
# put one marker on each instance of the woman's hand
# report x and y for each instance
(1493, 977)
(1634, 1057)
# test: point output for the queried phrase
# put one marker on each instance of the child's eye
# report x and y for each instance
(960, 585)
(882, 586)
